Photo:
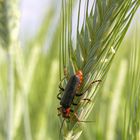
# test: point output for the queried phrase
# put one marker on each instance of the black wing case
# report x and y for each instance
(69, 91)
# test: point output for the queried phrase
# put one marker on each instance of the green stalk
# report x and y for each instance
(11, 20)
(115, 103)
(132, 107)
(10, 97)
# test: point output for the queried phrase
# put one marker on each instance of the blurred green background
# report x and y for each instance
(29, 77)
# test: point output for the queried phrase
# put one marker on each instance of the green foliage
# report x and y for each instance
(29, 76)
(103, 30)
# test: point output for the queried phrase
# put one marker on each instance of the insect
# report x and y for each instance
(70, 92)
(67, 98)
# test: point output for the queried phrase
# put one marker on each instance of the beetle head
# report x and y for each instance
(65, 112)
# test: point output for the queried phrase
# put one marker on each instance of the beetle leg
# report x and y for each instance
(58, 96)
(88, 87)
(71, 110)
(86, 99)
(59, 112)
(91, 85)
(75, 104)
(95, 81)
(65, 77)
(79, 94)
(58, 108)
(76, 116)
(61, 88)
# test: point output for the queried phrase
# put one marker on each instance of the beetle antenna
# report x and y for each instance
(61, 128)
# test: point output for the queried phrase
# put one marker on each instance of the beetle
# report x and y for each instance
(69, 93)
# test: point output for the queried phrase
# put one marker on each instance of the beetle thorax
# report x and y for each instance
(79, 75)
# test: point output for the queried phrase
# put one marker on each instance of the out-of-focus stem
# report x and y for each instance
(10, 95)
